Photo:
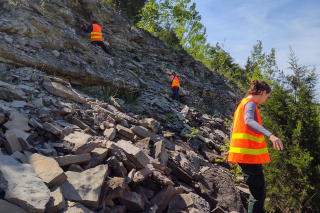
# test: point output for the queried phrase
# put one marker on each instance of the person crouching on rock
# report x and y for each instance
(248, 147)
(96, 35)
(175, 86)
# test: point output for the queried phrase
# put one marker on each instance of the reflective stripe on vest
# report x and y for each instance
(175, 82)
(247, 146)
(249, 151)
(96, 34)
(247, 136)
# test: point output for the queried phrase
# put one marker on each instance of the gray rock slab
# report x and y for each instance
(12, 143)
(47, 169)
(162, 198)
(72, 159)
(21, 185)
(75, 141)
(17, 121)
(60, 90)
(110, 133)
(51, 128)
(125, 131)
(143, 173)
(160, 152)
(56, 202)
(9, 91)
(98, 156)
(218, 189)
(117, 167)
(7, 207)
(116, 186)
(75, 168)
(132, 200)
(85, 187)
(18, 104)
(138, 157)
(115, 151)
(18, 156)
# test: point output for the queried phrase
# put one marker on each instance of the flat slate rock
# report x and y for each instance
(21, 185)
(138, 157)
(7, 207)
(85, 187)
(47, 169)
(56, 202)
(74, 141)
(72, 159)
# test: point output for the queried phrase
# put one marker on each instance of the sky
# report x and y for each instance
(277, 23)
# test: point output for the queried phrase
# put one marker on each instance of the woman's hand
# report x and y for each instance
(276, 142)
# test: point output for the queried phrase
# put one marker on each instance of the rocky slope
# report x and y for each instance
(80, 150)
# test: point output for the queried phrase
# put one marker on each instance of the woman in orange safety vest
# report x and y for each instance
(96, 35)
(248, 147)
(175, 86)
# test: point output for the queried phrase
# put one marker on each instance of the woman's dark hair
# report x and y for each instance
(257, 87)
(174, 74)
(95, 22)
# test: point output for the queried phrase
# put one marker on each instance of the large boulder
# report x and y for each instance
(85, 187)
(217, 188)
(21, 185)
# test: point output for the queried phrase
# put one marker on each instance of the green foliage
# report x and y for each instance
(132, 8)
(169, 115)
(264, 65)
(176, 20)
(168, 35)
(194, 133)
(224, 63)
(291, 114)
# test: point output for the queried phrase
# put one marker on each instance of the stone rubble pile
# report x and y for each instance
(65, 151)
(49, 37)
(62, 151)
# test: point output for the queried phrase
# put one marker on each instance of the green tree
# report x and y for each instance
(168, 35)
(131, 8)
(291, 113)
(224, 63)
(264, 65)
(183, 20)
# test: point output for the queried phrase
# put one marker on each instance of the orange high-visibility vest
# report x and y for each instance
(247, 146)
(175, 82)
(96, 34)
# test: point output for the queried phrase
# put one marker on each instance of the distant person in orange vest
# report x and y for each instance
(175, 86)
(248, 147)
(96, 35)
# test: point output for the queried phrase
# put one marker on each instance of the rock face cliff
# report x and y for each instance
(50, 40)
(73, 147)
